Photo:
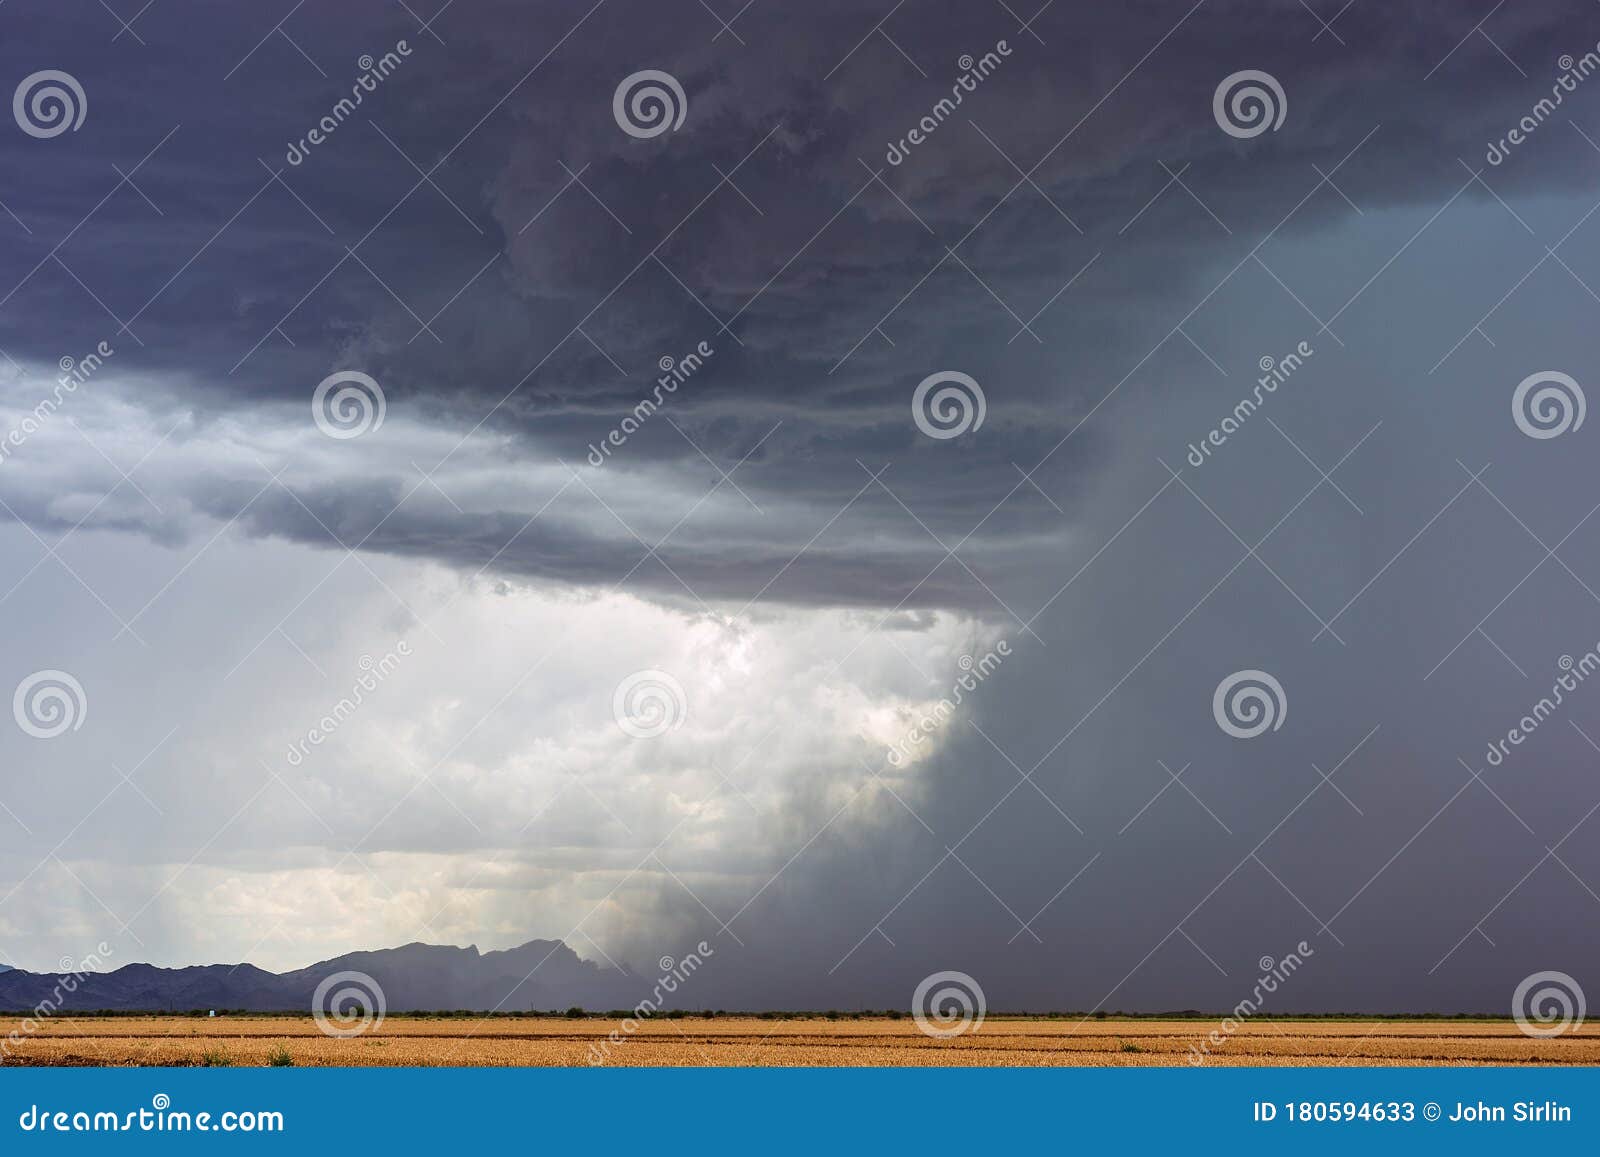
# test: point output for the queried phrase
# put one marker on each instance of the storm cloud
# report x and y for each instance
(540, 514)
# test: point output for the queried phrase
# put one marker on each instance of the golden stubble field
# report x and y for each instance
(818, 1041)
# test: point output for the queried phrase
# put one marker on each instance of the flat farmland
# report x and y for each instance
(816, 1041)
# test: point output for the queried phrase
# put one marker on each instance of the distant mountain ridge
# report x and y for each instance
(541, 974)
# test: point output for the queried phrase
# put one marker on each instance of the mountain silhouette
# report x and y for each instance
(541, 974)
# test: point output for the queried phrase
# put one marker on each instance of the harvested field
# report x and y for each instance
(818, 1041)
